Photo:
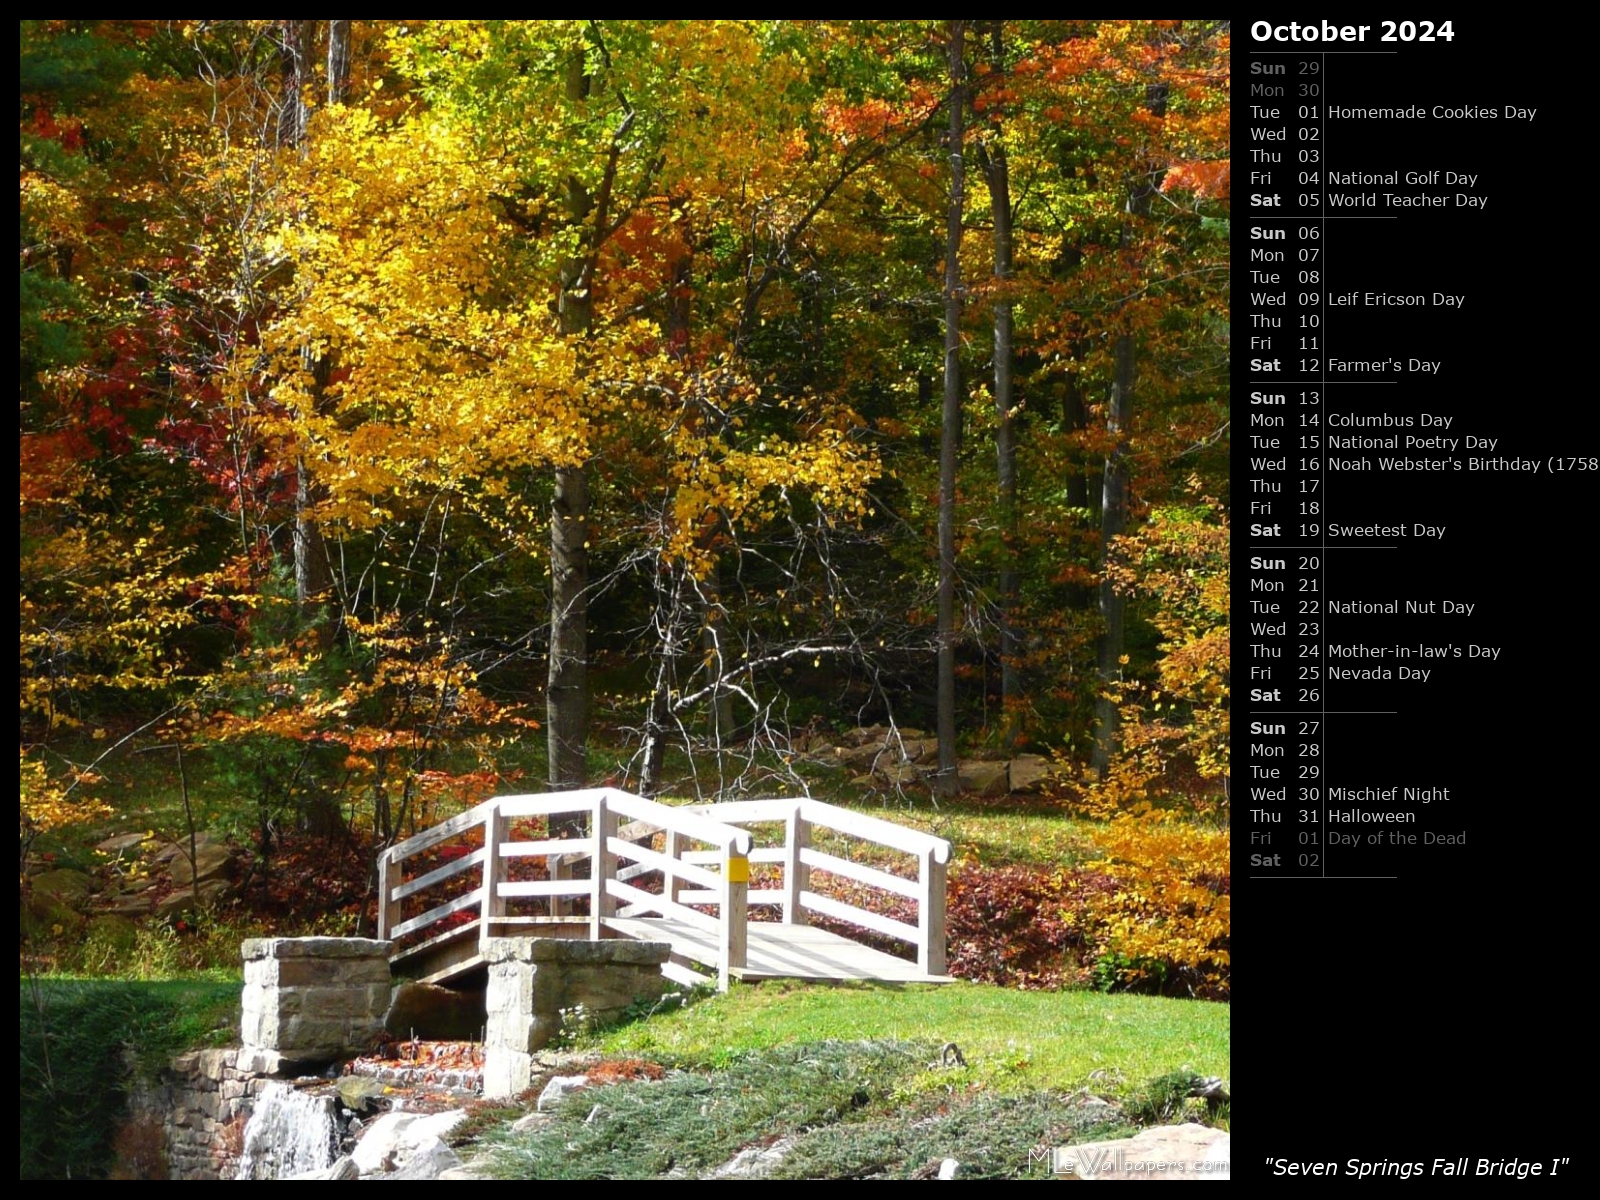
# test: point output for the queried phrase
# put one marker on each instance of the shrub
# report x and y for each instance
(1164, 925)
(1014, 926)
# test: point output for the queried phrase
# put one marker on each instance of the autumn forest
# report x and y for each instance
(414, 412)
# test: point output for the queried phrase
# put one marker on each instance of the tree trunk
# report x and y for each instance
(1114, 488)
(998, 175)
(947, 782)
(296, 53)
(313, 574)
(653, 749)
(567, 688)
(338, 60)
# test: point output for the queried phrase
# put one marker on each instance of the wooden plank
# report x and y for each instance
(447, 909)
(684, 820)
(545, 887)
(796, 875)
(638, 832)
(734, 942)
(761, 854)
(930, 916)
(859, 916)
(457, 824)
(388, 906)
(628, 874)
(538, 849)
(670, 884)
(604, 868)
(754, 896)
(626, 891)
(687, 976)
(456, 934)
(861, 873)
(496, 828)
(885, 833)
(454, 971)
(662, 862)
(545, 804)
(778, 951)
(422, 882)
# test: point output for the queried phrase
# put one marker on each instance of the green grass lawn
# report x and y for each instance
(1014, 1041)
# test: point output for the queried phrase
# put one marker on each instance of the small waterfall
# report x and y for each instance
(290, 1132)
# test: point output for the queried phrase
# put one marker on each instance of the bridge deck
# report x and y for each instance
(778, 951)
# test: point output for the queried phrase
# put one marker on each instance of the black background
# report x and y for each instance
(1439, 1013)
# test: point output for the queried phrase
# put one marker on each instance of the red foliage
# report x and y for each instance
(622, 1070)
(1016, 926)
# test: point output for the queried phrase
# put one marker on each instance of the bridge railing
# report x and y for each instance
(482, 841)
(922, 861)
(703, 867)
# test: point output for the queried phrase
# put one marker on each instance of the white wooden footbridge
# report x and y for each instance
(671, 874)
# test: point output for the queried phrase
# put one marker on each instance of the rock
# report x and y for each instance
(861, 758)
(359, 1093)
(754, 1161)
(1029, 772)
(819, 745)
(391, 1141)
(871, 735)
(435, 1013)
(132, 904)
(123, 841)
(320, 948)
(212, 861)
(212, 891)
(900, 774)
(983, 778)
(559, 1088)
(863, 781)
(948, 1168)
(428, 1161)
(1165, 1152)
(344, 1168)
(878, 744)
(181, 846)
(532, 1122)
(64, 885)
